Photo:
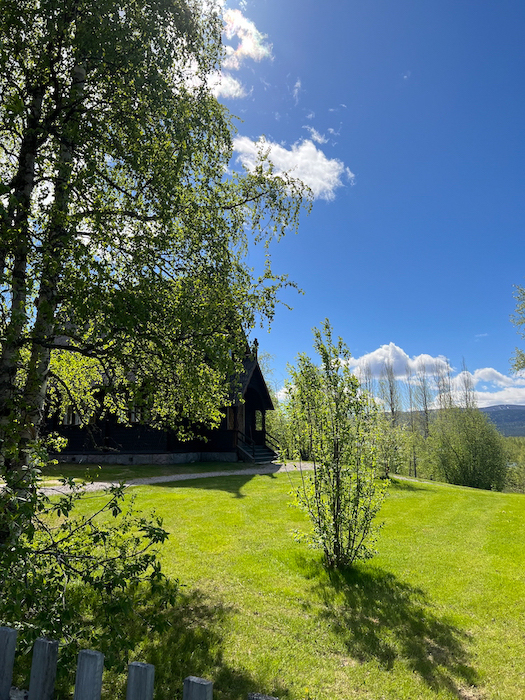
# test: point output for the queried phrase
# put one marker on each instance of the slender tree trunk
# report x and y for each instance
(16, 245)
(54, 251)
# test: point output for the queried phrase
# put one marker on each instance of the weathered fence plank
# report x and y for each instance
(43, 670)
(88, 682)
(140, 681)
(90, 667)
(7, 660)
(197, 689)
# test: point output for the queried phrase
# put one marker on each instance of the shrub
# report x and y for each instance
(467, 449)
(335, 425)
(76, 576)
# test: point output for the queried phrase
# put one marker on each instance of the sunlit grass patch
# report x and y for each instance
(439, 613)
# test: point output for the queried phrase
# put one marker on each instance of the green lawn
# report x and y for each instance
(439, 613)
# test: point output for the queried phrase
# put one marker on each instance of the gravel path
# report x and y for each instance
(269, 468)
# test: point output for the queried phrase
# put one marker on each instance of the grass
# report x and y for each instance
(439, 613)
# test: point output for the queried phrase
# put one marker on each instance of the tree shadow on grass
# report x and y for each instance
(398, 483)
(190, 642)
(229, 483)
(379, 617)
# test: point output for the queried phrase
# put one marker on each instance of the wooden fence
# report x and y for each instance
(88, 681)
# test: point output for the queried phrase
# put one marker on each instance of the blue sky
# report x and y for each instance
(407, 120)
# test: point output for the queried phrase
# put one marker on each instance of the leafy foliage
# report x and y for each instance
(337, 425)
(515, 447)
(392, 444)
(78, 577)
(123, 234)
(123, 279)
(467, 448)
(519, 321)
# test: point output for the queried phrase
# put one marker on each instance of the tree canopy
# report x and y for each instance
(519, 321)
(123, 233)
(467, 448)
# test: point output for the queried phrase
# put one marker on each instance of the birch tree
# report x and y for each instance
(518, 319)
(465, 445)
(424, 396)
(122, 240)
(413, 420)
(389, 392)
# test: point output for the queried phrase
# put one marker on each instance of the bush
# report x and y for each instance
(75, 577)
(467, 449)
(335, 425)
(515, 478)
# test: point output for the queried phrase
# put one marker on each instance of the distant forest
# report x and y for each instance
(509, 420)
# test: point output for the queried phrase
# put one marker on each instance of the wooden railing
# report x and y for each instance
(88, 681)
(274, 444)
(246, 444)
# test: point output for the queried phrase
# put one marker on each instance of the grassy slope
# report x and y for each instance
(439, 613)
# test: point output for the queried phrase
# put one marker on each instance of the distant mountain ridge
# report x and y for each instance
(508, 419)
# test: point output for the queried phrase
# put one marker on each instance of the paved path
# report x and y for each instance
(269, 468)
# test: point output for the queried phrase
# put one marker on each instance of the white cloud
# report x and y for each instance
(511, 396)
(315, 135)
(333, 132)
(251, 42)
(225, 85)
(492, 376)
(282, 394)
(374, 362)
(297, 90)
(251, 46)
(303, 161)
(490, 386)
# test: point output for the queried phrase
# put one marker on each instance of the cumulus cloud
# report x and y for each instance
(490, 387)
(374, 362)
(251, 44)
(492, 376)
(303, 161)
(511, 396)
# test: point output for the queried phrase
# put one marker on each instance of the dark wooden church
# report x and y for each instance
(241, 435)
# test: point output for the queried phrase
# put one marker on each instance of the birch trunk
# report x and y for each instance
(16, 238)
(54, 250)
